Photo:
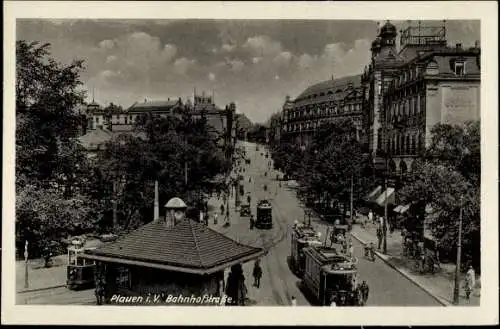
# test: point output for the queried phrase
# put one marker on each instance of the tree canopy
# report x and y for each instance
(447, 180)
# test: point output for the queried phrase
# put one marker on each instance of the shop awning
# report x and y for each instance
(372, 197)
(387, 197)
(404, 209)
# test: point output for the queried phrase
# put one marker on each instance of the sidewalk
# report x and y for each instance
(438, 285)
(39, 277)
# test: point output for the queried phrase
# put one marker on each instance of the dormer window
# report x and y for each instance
(459, 68)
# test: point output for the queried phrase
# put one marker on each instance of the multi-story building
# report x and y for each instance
(323, 102)
(409, 91)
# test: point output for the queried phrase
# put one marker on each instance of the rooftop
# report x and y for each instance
(330, 86)
(187, 247)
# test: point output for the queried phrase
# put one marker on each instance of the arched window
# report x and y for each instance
(407, 143)
(413, 144)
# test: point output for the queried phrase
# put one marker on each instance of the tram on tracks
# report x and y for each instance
(303, 235)
(331, 276)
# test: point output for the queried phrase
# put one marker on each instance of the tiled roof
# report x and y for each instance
(188, 245)
(154, 105)
(331, 85)
(94, 138)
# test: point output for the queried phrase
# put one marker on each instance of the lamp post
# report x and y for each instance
(26, 281)
(456, 288)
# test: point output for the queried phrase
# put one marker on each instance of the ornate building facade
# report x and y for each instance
(320, 103)
(407, 92)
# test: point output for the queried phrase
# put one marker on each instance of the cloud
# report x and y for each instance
(256, 60)
(237, 65)
(106, 44)
(183, 65)
(110, 59)
(283, 58)
(211, 76)
(306, 61)
(262, 45)
(228, 48)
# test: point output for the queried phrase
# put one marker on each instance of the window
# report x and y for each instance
(460, 68)
(97, 120)
(432, 68)
(126, 120)
(123, 279)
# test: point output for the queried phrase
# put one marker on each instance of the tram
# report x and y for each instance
(331, 276)
(80, 272)
(264, 215)
(303, 235)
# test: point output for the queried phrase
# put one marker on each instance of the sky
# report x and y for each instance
(255, 63)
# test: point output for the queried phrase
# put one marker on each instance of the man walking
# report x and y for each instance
(364, 291)
(257, 273)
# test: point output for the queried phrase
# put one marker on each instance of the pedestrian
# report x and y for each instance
(351, 250)
(222, 209)
(215, 218)
(333, 301)
(257, 273)
(252, 222)
(294, 301)
(379, 236)
(365, 290)
(470, 282)
(370, 216)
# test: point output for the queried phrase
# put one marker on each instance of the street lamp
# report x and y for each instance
(456, 288)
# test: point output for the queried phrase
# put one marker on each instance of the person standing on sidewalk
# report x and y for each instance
(294, 301)
(470, 282)
(370, 216)
(379, 236)
(215, 218)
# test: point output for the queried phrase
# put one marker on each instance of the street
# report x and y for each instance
(278, 284)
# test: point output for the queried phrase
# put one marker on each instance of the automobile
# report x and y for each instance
(245, 210)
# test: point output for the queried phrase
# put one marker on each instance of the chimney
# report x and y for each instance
(157, 203)
(144, 100)
(459, 46)
(169, 99)
(476, 44)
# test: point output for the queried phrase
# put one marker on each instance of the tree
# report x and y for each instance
(447, 179)
(46, 125)
(334, 156)
(44, 216)
(172, 146)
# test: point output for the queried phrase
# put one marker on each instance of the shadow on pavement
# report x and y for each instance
(290, 267)
(311, 299)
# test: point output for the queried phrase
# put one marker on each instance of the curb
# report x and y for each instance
(40, 289)
(406, 275)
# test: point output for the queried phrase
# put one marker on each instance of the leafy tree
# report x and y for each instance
(172, 145)
(46, 125)
(334, 156)
(44, 216)
(447, 180)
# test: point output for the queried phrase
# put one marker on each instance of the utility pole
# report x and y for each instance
(352, 195)
(384, 225)
(456, 289)
(115, 219)
(185, 173)
(26, 280)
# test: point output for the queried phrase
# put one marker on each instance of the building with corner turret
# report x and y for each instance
(409, 90)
